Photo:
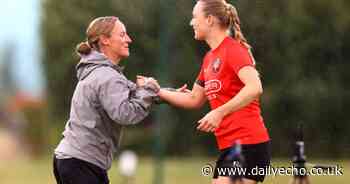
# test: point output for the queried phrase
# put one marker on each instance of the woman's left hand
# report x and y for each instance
(210, 121)
(183, 89)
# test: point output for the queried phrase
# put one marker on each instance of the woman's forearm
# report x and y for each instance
(181, 99)
(242, 99)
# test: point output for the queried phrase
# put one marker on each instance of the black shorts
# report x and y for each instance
(76, 171)
(255, 156)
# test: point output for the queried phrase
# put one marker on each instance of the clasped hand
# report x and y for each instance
(210, 121)
(142, 80)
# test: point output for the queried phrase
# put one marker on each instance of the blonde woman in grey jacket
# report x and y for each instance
(103, 102)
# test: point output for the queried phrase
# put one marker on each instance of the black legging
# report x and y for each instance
(75, 171)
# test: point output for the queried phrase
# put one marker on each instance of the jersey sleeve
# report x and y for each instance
(239, 58)
(200, 78)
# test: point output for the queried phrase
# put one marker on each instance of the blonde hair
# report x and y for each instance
(228, 17)
(99, 26)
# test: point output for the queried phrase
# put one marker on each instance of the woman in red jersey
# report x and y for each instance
(229, 81)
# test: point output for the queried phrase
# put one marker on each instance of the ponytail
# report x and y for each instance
(83, 48)
(235, 24)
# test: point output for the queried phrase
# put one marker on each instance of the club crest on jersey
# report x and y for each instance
(216, 65)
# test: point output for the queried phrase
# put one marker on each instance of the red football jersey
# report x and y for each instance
(219, 77)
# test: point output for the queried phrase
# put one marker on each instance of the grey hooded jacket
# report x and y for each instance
(103, 101)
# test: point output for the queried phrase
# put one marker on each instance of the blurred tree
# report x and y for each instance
(300, 48)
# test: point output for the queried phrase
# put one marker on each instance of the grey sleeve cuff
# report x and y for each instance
(145, 95)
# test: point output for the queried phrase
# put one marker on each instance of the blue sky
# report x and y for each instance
(19, 23)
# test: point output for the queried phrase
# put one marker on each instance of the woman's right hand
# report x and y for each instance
(142, 81)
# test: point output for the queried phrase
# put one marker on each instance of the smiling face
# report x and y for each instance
(199, 22)
(118, 41)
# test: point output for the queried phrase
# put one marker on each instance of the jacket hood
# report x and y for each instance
(92, 61)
